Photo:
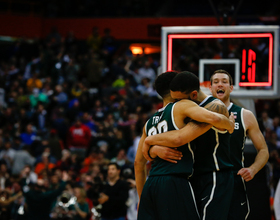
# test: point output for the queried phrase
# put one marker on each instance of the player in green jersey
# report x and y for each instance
(212, 179)
(167, 193)
(245, 125)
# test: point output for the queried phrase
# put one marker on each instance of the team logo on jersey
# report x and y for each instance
(235, 114)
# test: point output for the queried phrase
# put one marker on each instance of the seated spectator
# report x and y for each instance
(276, 126)
(34, 83)
(29, 136)
(147, 72)
(92, 158)
(56, 144)
(17, 143)
(266, 120)
(44, 166)
(65, 162)
(36, 97)
(121, 159)
(46, 151)
(71, 72)
(7, 155)
(79, 137)
(146, 88)
(4, 175)
(94, 40)
(87, 120)
(29, 175)
(40, 118)
(60, 96)
(108, 41)
(23, 158)
(22, 98)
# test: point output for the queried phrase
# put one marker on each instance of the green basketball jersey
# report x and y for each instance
(238, 138)
(212, 151)
(163, 121)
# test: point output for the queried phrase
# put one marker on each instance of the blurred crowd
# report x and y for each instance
(78, 107)
(75, 106)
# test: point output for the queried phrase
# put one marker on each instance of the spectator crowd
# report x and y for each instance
(78, 107)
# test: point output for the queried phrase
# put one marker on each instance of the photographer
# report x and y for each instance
(39, 201)
(114, 197)
(133, 198)
(80, 207)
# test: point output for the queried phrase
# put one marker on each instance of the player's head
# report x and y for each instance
(221, 84)
(185, 85)
(162, 83)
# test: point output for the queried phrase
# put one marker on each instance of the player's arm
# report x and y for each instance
(140, 165)
(180, 137)
(163, 142)
(186, 108)
(258, 140)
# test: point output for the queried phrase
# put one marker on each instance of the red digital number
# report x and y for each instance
(251, 76)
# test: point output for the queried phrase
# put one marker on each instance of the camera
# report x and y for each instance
(61, 210)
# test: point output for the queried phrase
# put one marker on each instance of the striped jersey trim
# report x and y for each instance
(190, 149)
(194, 199)
(211, 196)
(205, 100)
(244, 128)
(215, 151)
(230, 105)
(219, 131)
(172, 116)
(248, 205)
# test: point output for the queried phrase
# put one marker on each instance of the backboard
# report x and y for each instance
(248, 53)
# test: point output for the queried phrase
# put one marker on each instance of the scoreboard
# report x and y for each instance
(249, 53)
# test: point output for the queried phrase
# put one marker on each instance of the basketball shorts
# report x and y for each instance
(213, 193)
(166, 198)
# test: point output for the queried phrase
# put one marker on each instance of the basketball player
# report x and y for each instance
(167, 193)
(245, 124)
(212, 179)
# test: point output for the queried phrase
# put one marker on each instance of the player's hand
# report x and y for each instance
(246, 173)
(145, 150)
(103, 198)
(166, 153)
(232, 122)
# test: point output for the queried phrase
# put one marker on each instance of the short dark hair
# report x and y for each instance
(224, 72)
(115, 164)
(185, 82)
(162, 82)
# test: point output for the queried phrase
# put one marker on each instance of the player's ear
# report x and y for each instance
(231, 88)
(210, 87)
(193, 95)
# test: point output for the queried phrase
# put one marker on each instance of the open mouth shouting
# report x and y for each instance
(220, 91)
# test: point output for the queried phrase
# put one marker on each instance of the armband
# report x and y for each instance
(150, 154)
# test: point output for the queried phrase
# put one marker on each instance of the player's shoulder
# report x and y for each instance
(185, 103)
(248, 113)
(235, 107)
(217, 101)
(214, 104)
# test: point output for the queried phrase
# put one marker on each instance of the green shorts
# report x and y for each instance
(239, 208)
(213, 193)
(166, 198)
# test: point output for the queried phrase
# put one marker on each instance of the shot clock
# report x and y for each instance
(248, 53)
